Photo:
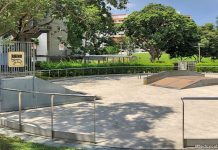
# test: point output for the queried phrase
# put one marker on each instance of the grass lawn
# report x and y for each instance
(15, 143)
(144, 58)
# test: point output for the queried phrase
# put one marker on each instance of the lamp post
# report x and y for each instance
(199, 51)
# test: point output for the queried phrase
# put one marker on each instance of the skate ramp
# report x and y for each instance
(180, 80)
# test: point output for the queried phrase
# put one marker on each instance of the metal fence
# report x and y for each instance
(52, 133)
(29, 59)
(87, 71)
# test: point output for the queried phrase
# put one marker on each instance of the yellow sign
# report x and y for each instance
(16, 59)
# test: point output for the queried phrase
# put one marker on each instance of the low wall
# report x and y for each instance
(33, 129)
(201, 143)
(9, 99)
(204, 82)
(161, 75)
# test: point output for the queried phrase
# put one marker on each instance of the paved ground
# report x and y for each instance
(132, 115)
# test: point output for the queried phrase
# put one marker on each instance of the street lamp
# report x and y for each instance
(199, 51)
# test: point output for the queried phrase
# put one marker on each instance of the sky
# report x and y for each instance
(201, 11)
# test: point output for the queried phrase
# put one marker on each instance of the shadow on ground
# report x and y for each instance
(117, 125)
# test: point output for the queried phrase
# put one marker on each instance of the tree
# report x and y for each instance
(127, 43)
(159, 28)
(92, 30)
(111, 50)
(217, 22)
(24, 18)
(209, 41)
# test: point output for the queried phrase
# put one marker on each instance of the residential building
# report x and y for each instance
(119, 19)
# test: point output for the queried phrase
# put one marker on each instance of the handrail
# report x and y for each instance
(102, 67)
(183, 112)
(199, 98)
(52, 95)
(45, 93)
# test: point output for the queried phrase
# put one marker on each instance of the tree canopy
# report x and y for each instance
(21, 17)
(209, 41)
(159, 28)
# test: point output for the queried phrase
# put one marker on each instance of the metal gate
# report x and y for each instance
(17, 59)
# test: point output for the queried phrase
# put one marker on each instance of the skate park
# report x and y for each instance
(129, 113)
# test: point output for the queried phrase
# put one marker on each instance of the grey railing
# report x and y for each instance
(71, 72)
(87, 71)
(183, 112)
(52, 95)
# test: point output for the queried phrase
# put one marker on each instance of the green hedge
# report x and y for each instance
(74, 68)
(75, 64)
(71, 72)
(207, 67)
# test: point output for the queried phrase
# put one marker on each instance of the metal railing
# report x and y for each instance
(52, 95)
(72, 72)
(183, 112)
(87, 71)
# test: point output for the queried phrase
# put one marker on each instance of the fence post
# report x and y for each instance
(183, 123)
(52, 116)
(20, 109)
(94, 119)
(66, 73)
(40, 73)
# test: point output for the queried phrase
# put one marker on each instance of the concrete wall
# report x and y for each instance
(201, 143)
(9, 99)
(42, 48)
(53, 41)
(204, 82)
(33, 129)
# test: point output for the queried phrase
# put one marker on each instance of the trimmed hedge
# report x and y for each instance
(71, 72)
(207, 67)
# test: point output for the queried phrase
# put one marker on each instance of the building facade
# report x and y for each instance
(118, 19)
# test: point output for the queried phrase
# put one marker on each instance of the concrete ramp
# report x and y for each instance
(180, 80)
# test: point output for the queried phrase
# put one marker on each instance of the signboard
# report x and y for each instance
(61, 47)
(16, 59)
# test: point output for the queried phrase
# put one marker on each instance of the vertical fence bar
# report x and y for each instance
(52, 116)
(20, 109)
(94, 119)
(183, 124)
(49, 73)
(34, 62)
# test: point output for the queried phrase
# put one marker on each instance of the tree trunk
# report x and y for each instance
(155, 54)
